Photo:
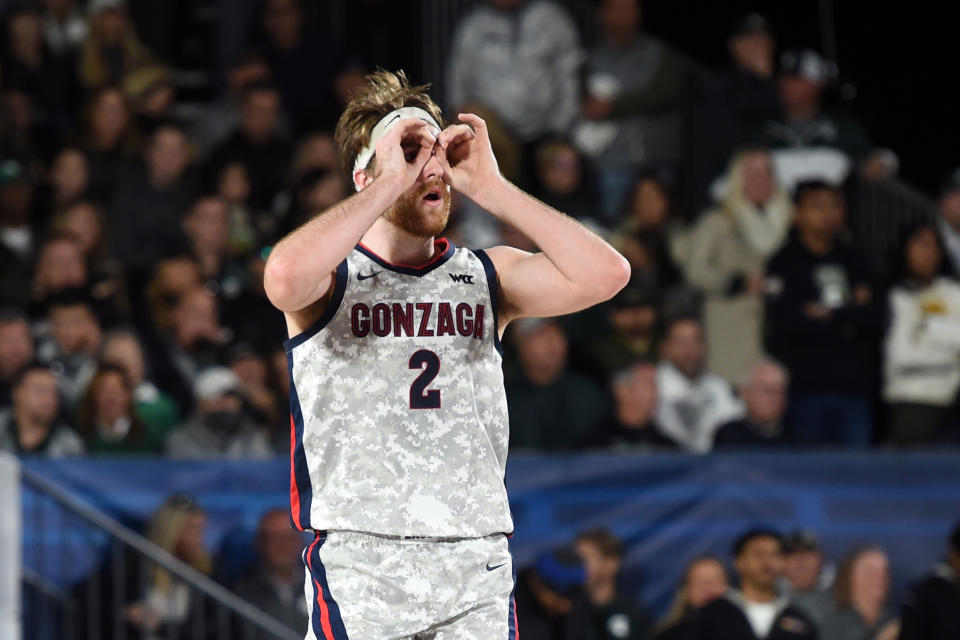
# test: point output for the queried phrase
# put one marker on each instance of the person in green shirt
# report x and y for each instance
(108, 419)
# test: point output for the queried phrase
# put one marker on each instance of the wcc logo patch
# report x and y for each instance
(461, 277)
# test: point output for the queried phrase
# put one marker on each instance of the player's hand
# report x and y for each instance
(405, 149)
(466, 156)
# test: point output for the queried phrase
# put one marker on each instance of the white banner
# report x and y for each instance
(10, 546)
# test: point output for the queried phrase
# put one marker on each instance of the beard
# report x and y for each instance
(411, 214)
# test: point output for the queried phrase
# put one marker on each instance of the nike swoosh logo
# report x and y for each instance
(489, 568)
(362, 277)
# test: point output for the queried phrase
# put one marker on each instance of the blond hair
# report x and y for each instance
(166, 526)
(383, 92)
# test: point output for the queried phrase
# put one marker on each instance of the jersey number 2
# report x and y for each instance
(420, 397)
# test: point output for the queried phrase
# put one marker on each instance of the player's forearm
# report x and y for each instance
(298, 269)
(582, 256)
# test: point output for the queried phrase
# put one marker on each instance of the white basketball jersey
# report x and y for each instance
(398, 411)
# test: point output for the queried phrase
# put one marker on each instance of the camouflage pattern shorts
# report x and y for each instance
(369, 587)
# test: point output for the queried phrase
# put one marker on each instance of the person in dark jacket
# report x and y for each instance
(765, 397)
(823, 322)
(731, 103)
(275, 583)
(704, 580)
(756, 610)
(545, 593)
(604, 612)
(146, 210)
(929, 610)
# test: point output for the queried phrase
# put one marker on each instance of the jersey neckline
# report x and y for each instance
(443, 251)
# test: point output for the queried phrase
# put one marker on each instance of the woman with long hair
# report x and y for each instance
(728, 250)
(178, 527)
(862, 599)
(704, 580)
(108, 419)
(922, 347)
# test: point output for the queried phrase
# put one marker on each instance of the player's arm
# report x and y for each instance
(299, 272)
(576, 268)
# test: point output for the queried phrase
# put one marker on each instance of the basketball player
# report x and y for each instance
(398, 413)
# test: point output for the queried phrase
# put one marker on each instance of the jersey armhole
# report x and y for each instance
(339, 287)
(493, 284)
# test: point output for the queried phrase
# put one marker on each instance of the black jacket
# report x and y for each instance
(833, 355)
(725, 619)
(930, 607)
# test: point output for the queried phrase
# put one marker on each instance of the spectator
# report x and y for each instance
(922, 354)
(519, 58)
(246, 224)
(551, 407)
(693, 402)
(603, 612)
(219, 427)
(862, 597)
(266, 405)
(33, 426)
(157, 410)
(258, 144)
(314, 192)
(728, 249)
(631, 107)
(207, 228)
(193, 342)
(60, 266)
(64, 27)
(295, 54)
(16, 349)
(18, 234)
(755, 610)
(30, 68)
(84, 221)
(178, 526)
(545, 593)
(145, 212)
(172, 278)
(275, 583)
(704, 580)
(562, 183)
(949, 220)
(823, 321)
(806, 577)
(649, 208)
(250, 316)
(633, 323)
(151, 92)
(75, 336)
(108, 420)
(110, 140)
(809, 140)
(219, 118)
(764, 395)
(634, 412)
(68, 182)
(112, 49)
(731, 104)
(929, 610)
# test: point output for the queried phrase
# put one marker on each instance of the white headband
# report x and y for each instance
(380, 130)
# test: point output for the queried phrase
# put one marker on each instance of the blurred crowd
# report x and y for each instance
(788, 288)
(774, 585)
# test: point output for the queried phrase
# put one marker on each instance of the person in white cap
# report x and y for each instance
(219, 427)
(398, 412)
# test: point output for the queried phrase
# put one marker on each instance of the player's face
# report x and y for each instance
(423, 210)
